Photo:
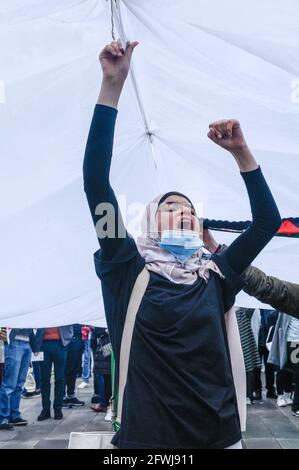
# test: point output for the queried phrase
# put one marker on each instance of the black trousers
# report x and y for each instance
(250, 382)
(95, 385)
(54, 353)
(269, 372)
(284, 381)
(73, 362)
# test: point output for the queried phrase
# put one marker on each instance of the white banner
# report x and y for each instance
(197, 61)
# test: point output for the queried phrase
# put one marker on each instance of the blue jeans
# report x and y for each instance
(86, 361)
(54, 353)
(17, 360)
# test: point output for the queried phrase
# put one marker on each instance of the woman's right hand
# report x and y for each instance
(210, 243)
(115, 61)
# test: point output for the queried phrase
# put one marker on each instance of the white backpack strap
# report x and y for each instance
(134, 303)
(238, 366)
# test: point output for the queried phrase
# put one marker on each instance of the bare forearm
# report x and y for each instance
(212, 246)
(245, 159)
(110, 92)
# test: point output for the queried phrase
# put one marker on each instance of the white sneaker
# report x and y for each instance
(83, 385)
(288, 400)
(248, 401)
(281, 401)
(108, 415)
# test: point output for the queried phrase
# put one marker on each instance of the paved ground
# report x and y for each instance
(51, 434)
(268, 427)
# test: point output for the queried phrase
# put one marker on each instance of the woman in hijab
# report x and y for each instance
(180, 391)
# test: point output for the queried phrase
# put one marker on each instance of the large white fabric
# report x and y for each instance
(197, 61)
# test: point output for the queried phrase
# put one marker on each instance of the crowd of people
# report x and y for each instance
(269, 347)
(269, 339)
(185, 380)
(68, 352)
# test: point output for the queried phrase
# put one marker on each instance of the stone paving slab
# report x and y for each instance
(268, 427)
(262, 443)
(52, 444)
(18, 444)
(288, 443)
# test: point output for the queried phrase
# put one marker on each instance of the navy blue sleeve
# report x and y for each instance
(96, 169)
(265, 223)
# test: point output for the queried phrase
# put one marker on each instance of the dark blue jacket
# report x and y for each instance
(102, 364)
(66, 334)
(76, 343)
(268, 319)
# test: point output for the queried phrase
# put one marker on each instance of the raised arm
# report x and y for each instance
(265, 215)
(115, 62)
(281, 295)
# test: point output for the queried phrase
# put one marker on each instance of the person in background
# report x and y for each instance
(268, 320)
(17, 351)
(249, 347)
(101, 348)
(279, 357)
(293, 359)
(284, 386)
(280, 295)
(86, 334)
(53, 342)
(96, 396)
(73, 362)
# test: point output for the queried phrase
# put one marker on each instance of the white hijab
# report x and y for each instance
(162, 261)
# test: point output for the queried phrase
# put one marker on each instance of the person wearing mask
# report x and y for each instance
(180, 345)
(17, 356)
(53, 342)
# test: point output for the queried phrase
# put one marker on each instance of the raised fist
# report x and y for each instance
(228, 134)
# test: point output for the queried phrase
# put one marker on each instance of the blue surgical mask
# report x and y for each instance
(181, 243)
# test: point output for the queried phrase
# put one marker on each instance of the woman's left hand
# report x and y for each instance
(228, 134)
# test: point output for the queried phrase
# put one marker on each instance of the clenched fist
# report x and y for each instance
(115, 60)
(228, 134)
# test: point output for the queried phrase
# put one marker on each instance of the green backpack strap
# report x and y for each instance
(114, 398)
